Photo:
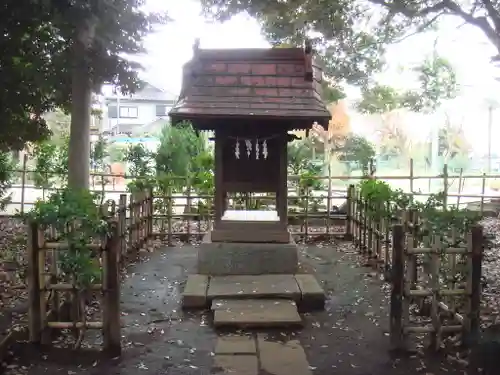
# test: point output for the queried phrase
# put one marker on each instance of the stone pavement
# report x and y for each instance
(255, 354)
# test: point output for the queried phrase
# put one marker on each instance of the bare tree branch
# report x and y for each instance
(451, 7)
(493, 13)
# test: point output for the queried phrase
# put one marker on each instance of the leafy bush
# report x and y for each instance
(182, 155)
(76, 217)
(300, 164)
(383, 202)
(140, 163)
(51, 164)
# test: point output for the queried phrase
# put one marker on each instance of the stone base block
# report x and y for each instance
(313, 295)
(195, 292)
(241, 258)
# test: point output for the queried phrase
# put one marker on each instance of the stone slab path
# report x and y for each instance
(255, 354)
(252, 313)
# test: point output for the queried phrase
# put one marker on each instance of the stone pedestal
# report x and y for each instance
(243, 258)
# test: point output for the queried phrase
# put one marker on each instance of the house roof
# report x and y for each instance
(148, 93)
(276, 83)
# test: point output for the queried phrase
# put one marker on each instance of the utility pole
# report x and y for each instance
(490, 126)
(117, 96)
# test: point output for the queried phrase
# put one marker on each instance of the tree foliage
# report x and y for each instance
(393, 138)
(436, 82)
(353, 34)
(358, 151)
(54, 50)
(179, 149)
(351, 37)
(51, 163)
(58, 123)
(452, 141)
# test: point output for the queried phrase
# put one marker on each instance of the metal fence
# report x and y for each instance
(460, 189)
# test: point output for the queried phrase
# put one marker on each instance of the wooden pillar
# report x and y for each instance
(282, 188)
(219, 199)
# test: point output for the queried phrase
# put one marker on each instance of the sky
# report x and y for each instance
(468, 50)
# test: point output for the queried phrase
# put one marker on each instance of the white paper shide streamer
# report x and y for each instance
(260, 149)
(237, 149)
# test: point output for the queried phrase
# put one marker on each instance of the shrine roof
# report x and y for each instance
(260, 84)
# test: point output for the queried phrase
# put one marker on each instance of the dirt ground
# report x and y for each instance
(348, 338)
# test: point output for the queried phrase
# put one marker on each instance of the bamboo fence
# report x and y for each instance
(434, 273)
(454, 306)
(130, 229)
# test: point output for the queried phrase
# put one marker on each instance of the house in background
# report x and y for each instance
(128, 114)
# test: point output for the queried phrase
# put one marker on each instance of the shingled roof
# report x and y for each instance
(265, 84)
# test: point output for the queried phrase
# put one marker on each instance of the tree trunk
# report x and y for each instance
(81, 91)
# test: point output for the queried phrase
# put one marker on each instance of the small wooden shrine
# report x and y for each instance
(251, 99)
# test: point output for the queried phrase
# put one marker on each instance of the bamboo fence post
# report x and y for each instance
(369, 246)
(122, 224)
(472, 321)
(397, 281)
(412, 259)
(136, 209)
(434, 286)
(378, 238)
(23, 182)
(111, 313)
(350, 209)
(306, 212)
(329, 200)
(169, 216)
(33, 281)
(365, 227)
(360, 218)
(188, 208)
(452, 264)
(150, 215)
(353, 214)
(387, 230)
(141, 215)
(130, 224)
(42, 257)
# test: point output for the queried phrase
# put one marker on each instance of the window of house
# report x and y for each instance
(112, 111)
(128, 112)
(161, 110)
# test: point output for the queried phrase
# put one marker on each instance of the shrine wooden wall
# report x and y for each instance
(252, 171)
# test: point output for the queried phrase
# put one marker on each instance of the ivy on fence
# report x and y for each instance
(383, 202)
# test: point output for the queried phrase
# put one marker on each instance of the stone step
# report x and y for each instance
(255, 313)
(304, 289)
(250, 286)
